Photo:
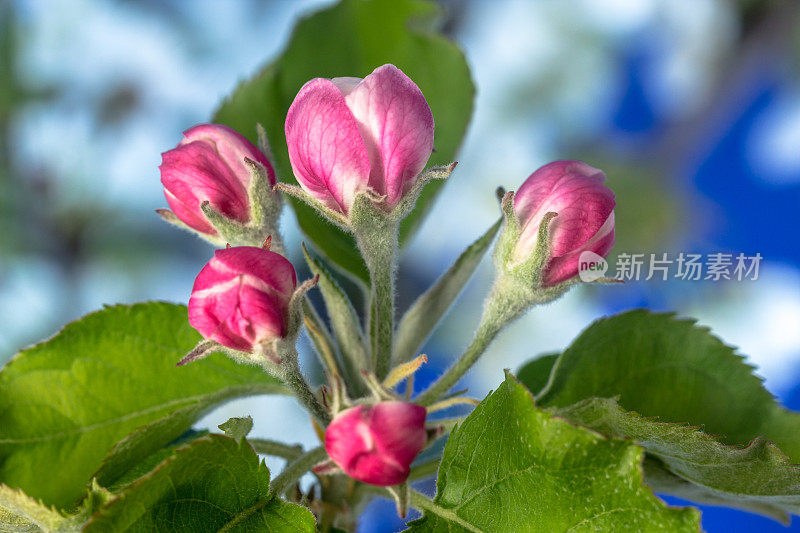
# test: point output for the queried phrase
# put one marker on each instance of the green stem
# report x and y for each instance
(294, 379)
(502, 306)
(296, 469)
(378, 245)
(277, 449)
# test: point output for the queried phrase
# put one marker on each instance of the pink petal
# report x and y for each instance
(397, 126)
(400, 429)
(567, 266)
(327, 153)
(377, 444)
(240, 298)
(189, 214)
(572, 189)
(232, 147)
(193, 173)
(270, 267)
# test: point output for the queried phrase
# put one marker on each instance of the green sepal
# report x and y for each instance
(265, 211)
(344, 321)
(334, 217)
(409, 200)
(265, 208)
(235, 233)
(518, 285)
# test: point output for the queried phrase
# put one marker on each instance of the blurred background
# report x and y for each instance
(692, 107)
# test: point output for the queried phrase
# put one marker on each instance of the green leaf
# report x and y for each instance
(214, 484)
(344, 320)
(352, 38)
(512, 467)
(145, 447)
(426, 312)
(662, 366)
(757, 477)
(236, 427)
(20, 512)
(535, 373)
(66, 401)
(116, 476)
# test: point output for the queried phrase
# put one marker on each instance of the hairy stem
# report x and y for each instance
(276, 449)
(296, 469)
(295, 380)
(502, 306)
(378, 245)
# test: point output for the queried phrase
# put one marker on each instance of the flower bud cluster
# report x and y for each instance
(357, 148)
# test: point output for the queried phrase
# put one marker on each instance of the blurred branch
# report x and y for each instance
(762, 41)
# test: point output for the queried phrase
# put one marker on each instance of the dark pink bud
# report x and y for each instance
(585, 220)
(208, 165)
(347, 134)
(241, 297)
(377, 444)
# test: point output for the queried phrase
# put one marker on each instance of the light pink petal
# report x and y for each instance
(572, 189)
(232, 147)
(193, 173)
(241, 297)
(567, 266)
(327, 153)
(397, 126)
(272, 268)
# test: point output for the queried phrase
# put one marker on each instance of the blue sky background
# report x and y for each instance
(691, 106)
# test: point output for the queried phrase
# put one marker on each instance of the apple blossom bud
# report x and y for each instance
(584, 222)
(376, 444)
(208, 165)
(348, 135)
(241, 297)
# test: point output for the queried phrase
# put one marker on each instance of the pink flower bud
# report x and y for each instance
(241, 297)
(585, 220)
(208, 165)
(347, 134)
(377, 444)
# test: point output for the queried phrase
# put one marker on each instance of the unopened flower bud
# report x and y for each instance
(376, 444)
(241, 297)
(209, 166)
(584, 220)
(350, 135)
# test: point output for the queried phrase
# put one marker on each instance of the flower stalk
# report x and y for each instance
(377, 240)
(296, 469)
